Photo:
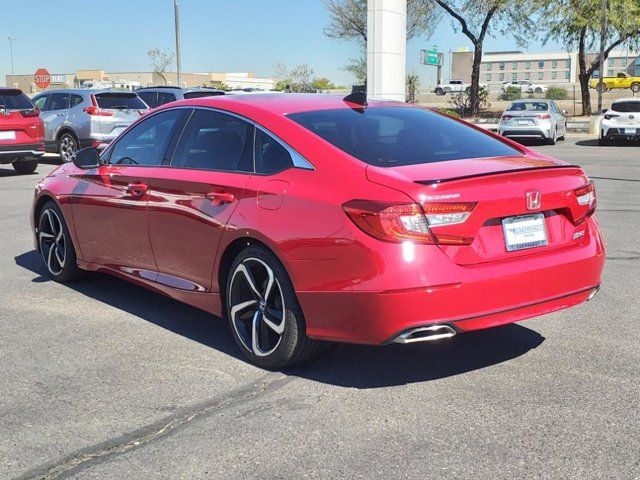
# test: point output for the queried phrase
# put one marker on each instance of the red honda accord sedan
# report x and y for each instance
(303, 218)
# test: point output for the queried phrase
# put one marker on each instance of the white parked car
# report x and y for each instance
(534, 119)
(453, 86)
(525, 86)
(621, 121)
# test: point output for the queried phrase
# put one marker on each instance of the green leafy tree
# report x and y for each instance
(322, 83)
(160, 61)
(576, 24)
(413, 83)
(479, 18)
(510, 94)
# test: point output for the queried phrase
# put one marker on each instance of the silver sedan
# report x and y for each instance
(534, 119)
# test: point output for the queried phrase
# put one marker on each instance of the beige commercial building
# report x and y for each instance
(133, 80)
(548, 67)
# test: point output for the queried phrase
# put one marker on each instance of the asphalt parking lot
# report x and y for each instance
(102, 379)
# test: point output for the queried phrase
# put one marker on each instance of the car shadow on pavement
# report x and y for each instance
(354, 366)
(594, 143)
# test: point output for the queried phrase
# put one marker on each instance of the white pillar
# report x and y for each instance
(386, 49)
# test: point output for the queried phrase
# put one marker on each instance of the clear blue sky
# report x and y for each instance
(217, 35)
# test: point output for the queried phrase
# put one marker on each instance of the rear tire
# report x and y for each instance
(635, 87)
(55, 245)
(25, 166)
(440, 92)
(553, 139)
(67, 147)
(265, 317)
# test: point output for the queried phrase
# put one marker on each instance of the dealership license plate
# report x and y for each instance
(527, 231)
(8, 135)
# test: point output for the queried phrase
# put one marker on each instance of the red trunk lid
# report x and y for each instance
(499, 186)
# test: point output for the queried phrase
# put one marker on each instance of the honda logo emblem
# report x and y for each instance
(533, 200)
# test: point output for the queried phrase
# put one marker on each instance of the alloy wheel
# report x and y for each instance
(68, 148)
(257, 307)
(51, 239)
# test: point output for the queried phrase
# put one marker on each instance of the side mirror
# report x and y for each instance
(565, 113)
(604, 110)
(87, 158)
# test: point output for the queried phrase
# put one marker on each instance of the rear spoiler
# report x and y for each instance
(485, 174)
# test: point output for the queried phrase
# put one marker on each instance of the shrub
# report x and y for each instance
(511, 94)
(557, 93)
(448, 111)
(462, 101)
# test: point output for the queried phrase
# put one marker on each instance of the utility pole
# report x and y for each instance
(11, 39)
(603, 34)
(176, 11)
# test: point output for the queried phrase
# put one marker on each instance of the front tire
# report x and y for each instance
(440, 92)
(67, 147)
(25, 166)
(263, 312)
(55, 245)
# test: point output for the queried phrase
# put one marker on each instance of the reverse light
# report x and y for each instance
(447, 213)
(586, 195)
(389, 222)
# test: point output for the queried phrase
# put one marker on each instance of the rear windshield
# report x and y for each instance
(14, 100)
(202, 94)
(120, 101)
(528, 107)
(626, 107)
(397, 136)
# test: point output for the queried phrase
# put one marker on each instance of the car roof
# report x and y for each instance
(532, 100)
(279, 103)
(10, 89)
(627, 99)
(86, 91)
(185, 89)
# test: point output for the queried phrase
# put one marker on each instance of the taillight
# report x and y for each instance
(31, 112)
(447, 213)
(586, 195)
(95, 110)
(506, 117)
(545, 116)
(389, 222)
(609, 116)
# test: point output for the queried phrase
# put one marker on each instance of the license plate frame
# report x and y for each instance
(516, 241)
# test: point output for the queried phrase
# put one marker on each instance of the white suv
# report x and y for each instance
(621, 121)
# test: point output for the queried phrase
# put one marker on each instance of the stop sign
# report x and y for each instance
(42, 78)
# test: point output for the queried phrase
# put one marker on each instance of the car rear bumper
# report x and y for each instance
(525, 132)
(8, 153)
(485, 296)
(619, 132)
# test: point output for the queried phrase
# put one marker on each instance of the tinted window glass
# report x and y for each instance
(202, 94)
(120, 101)
(145, 144)
(40, 101)
(270, 155)
(76, 100)
(58, 101)
(215, 141)
(165, 97)
(149, 98)
(626, 107)
(396, 136)
(528, 107)
(14, 100)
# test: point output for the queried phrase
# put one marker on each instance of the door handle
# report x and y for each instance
(137, 189)
(59, 114)
(219, 198)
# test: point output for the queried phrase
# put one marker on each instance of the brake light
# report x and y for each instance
(609, 116)
(447, 213)
(389, 222)
(545, 116)
(95, 110)
(586, 195)
(31, 112)
(506, 117)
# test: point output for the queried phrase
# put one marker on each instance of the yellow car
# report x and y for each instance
(621, 80)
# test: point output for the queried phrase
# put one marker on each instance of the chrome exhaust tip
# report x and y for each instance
(593, 293)
(425, 334)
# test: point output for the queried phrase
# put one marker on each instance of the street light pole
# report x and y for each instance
(176, 12)
(11, 39)
(603, 34)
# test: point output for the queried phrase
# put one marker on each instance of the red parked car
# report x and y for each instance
(303, 218)
(21, 131)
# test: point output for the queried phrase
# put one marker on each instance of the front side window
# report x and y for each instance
(40, 101)
(270, 155)
(146, 143)
(58, 101)
(213, 140)
(398, 136)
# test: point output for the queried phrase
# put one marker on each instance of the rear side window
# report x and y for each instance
(397, 136)
(271, 156)
(146, 143)
(120, 101)
(165, 97)
(150, 98)
(58, 101)
(14, 100)
(76, 100)
(202, 94)
(215, 141)
(626, 107)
